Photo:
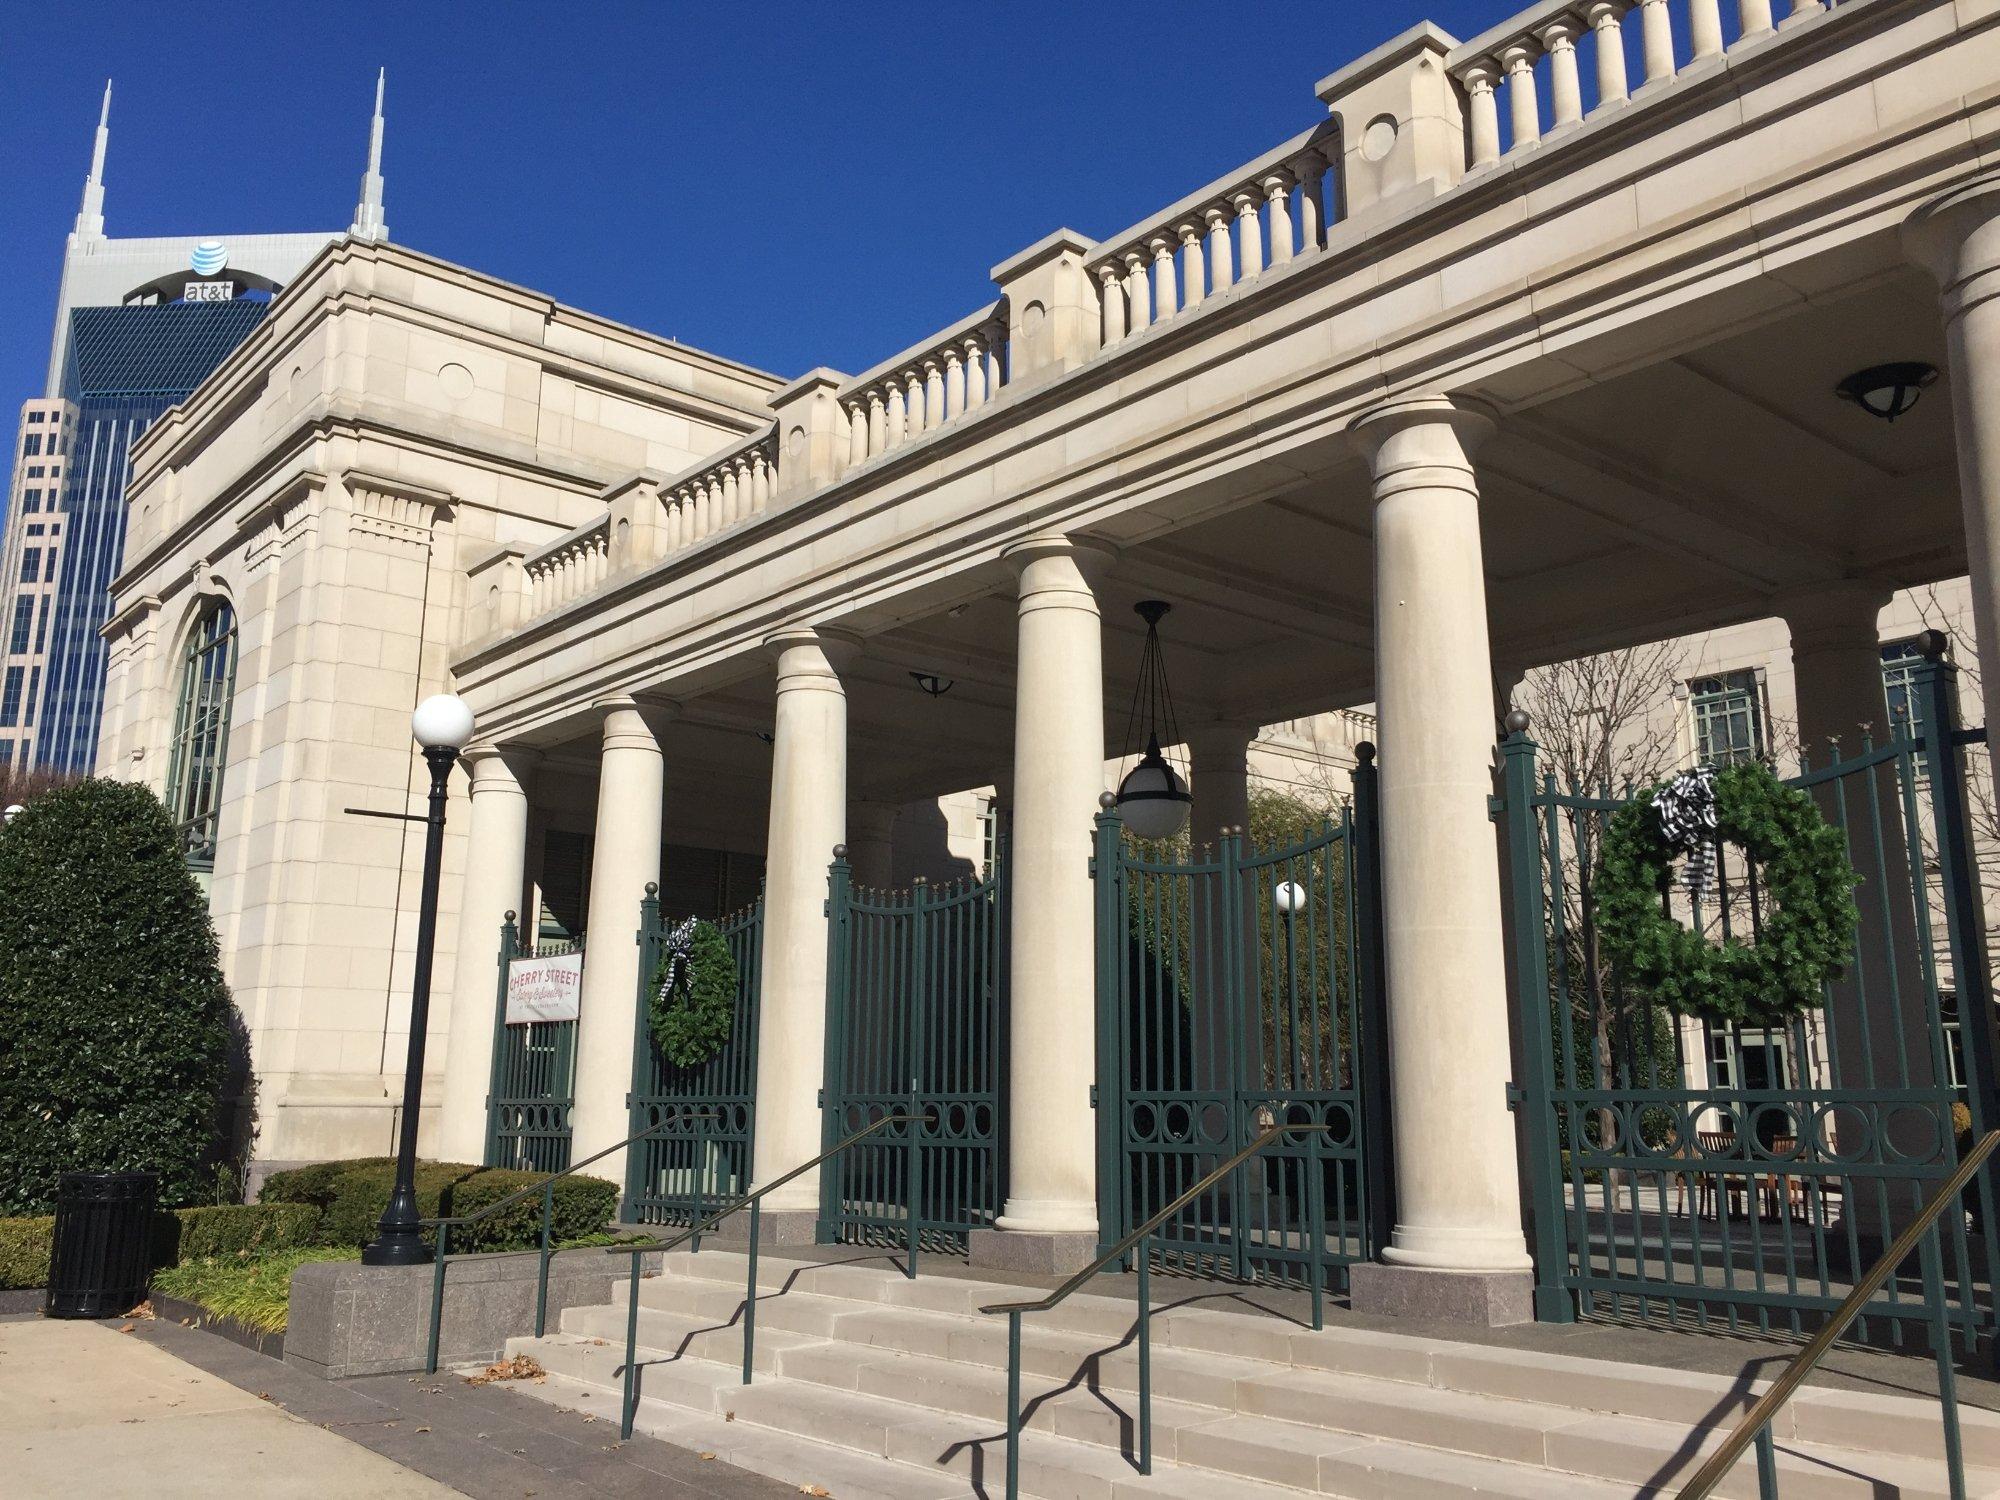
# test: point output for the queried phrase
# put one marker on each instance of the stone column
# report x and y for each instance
(496, 858)
(1957, 239)
(871, 844)
(1457, 1249)
(808, 818)
(1879, 1011)
(624, 859)
(1049, 1223)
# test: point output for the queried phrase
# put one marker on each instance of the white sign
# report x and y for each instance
(544, 989)
(208, 291)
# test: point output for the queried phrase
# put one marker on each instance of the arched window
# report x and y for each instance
(201, 731)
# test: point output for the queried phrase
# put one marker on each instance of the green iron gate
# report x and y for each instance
(701, 1158)
(916, 1024)
(534, 1074)
(1237, 986)
(1700, 1173)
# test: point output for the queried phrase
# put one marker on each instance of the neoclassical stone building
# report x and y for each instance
(1521, 348)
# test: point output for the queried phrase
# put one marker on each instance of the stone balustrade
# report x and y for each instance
(1226, 235)
(1632, 48)
(926, 387)
(568, 567)
(731, 487)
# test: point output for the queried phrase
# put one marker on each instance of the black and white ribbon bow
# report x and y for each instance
(676, 953)
(1688, 824)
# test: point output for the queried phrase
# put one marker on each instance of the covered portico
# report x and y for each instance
(1576, 397)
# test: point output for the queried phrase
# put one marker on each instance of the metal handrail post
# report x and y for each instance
(1146, 1355)
(915, 1177)
(1767, 1465)
(629, 1401)
(542, 1274)
(437, 1301)
(1933, 1271)
(750, 1291)
(1316, 1227)
(1014, 1405)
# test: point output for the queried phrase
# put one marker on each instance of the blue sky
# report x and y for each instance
(789, 185)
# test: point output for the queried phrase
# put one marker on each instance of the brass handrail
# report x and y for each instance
(547, 1188)
(1315, 1215)
(754, 1201)
(1754, 1426)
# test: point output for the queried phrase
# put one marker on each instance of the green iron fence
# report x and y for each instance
(534, 1074)
(916, 1026)
(1238, 988)
(1724, 1175)
(702, 1157)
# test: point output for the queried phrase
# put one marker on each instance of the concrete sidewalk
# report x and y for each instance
(87, 1410)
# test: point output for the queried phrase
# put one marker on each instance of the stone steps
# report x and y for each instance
(853, 1362)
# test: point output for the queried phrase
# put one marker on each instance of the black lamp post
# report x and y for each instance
(442, 724)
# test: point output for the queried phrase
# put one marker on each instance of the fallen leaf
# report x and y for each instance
(520, 1367)
(423, 1429)
(729, 1416)
(187, 1322)
(814, 1489)
(128, 1328)
(143, 1312)
(263, 1395)
(705, 1455)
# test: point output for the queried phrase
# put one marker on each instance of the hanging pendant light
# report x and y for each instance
(1153, 799)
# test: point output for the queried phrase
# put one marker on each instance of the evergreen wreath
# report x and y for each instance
(693, 1009)
(1806, 917)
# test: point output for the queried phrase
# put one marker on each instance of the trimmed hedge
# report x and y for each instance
(231, 1231)
(352, 1194)
(24, 1252)
(115, 1024)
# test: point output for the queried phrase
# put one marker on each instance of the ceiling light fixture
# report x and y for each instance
(1887, 391)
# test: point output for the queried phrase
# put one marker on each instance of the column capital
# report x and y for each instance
(649, 714)
(1221, 741)
(1956, 237)
(801, 651)
(1843, 614)
(1093, 558)
(486, 762)
(1426, 429)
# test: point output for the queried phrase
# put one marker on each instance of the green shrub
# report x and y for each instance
(24, 1252)
(583, 1206)
(115, 1024)
(352, 1194)
(317, 1183)
(187, 1234)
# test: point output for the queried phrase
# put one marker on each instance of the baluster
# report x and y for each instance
(760, 481)
(1138, 292)
(1558, 39)
(704, 509)
(1310, 169)
(1804, 10)
(726, 477)
(1250, 249)
(975, 372)
(1704, 29)
(995, 335)
(1605, 17)
(746, 498)
(1753, 18)
(676, 524)
(1523, 108)
(1221, 272)
(1479, 79)
(1166, 299)
(565, 589)
(1278, 202)
(919, 417)
(1112, 295)
(1656, 35)
(1193, 272)
(935, 414)
(878, 423)
(954, 384)
(857, 435)
(899, 419)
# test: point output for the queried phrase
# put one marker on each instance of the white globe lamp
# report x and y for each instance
(442, 721)
(1152, 799)
(1289, 897)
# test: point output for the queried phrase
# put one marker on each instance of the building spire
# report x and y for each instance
(90, 217)
(368, 221)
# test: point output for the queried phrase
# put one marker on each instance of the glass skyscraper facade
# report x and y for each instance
(124, 366)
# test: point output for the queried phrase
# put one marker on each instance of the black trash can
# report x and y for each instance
(103, 1243)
